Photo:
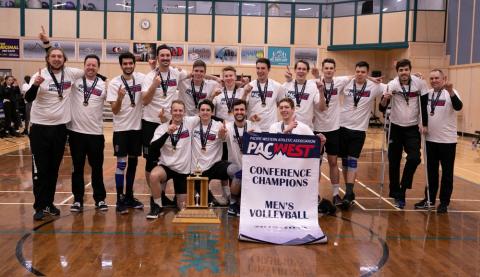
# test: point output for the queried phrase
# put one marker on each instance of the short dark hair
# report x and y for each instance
(265, 61)
(163, 46)
(329, 60)
(206, 102)
(304, 62)
(199, 63)
(238, 102)
(126, 55)
(288, 100)
(363, 64)
(92, 56)
(178, 101)
(403, 63)
(27, 79)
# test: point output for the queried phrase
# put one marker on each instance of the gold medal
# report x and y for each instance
(60, 97)
(264, 105)
(85, 104)
(132, 105)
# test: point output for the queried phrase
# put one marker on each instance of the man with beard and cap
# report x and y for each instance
(49, 92)
(125, 96)
(404, 131)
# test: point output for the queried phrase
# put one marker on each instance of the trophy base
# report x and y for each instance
(201, 216)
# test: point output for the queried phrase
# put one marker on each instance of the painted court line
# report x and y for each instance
(71, 196)
(356, 202)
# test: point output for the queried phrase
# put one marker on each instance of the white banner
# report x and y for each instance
(279, 189)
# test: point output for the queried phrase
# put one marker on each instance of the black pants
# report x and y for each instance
(408, 139)
(10, 116)
(47, 143)
(81, 147)
(440, 154)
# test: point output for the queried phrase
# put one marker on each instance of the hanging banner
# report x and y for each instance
(279, 55)
(306, 54)
(144, 51)
(199, 52)
(226, 55)
(9, 48)
(279, 189)
(114, 49)
(33, 49)
(89, 47)
(178, 53)
(249, 55)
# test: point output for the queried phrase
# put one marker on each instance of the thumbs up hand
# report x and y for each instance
(39, 79)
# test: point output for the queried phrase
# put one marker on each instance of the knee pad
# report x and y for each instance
(352, 164)
(238, 175)
(121, 165)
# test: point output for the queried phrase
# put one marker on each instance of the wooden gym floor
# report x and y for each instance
(373, 238)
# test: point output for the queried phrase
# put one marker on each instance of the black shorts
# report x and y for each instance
(179, 180)
(127, 143)
(148, 130)
(351, 142)
(332, 146)
(217, 171)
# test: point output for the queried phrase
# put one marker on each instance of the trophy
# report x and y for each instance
(196, 209)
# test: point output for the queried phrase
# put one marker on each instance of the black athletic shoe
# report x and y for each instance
(155, 210)
(234, 209)
(121, 208)
(166, 202)
(101, 206)
(76, 207)
(326, 207)
(52, 210)
(348, 200)
(337, 200)
(424, 205)
(442, 209)
(399, 203)
(131, 202)
(38, 215)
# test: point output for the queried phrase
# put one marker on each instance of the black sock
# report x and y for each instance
(131, 170)
(349, 188)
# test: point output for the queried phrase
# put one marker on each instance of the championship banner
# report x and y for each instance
(279, 189)
(9, 48)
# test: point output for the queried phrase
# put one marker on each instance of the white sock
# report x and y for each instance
(158, 201)
(336, 189)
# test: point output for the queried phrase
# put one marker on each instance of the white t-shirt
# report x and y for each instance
(128, 118)
(304, 113)
(404, 114)
(234, 148)
(48, 108)
(214, 147)
(267, 114)
(356, 118)
(151, 111)
(301, 129)
(179, 159)
(329, 120)
(87, 119)
(185, 94)
(442, 125)
(221, 109)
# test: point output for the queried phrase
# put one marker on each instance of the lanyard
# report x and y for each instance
(174, 138)
(164, 83)
(196, 95)
(263, 94)
(229, 101)
(433, 102)
(327, 92)
(204, 136)
(57, 85)
(406, 94)
(239, 138)
(88, 92)
(358, 95)
(129, 91)
(298, 96)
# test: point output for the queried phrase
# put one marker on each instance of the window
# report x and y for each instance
(146, 6)
(119, 5)
(253, 9)
(275, 9)
(306, 10)
(169, 6)
(346, 9)
(226, 8)
(200, 7)
(92, 5)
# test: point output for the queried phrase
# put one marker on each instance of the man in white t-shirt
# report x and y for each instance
(404, 130)
(85, 136)
(159, 89)
(327, 121)
(225, 99)
(50, 91)
(172, 146)
(197, 88)
(125, 96)
(359, 94)
(232, 132)
(290, 125)
(304, 94)
(441, 139)
(262, 95)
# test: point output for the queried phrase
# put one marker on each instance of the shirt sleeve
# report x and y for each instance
(147, 82)
(112, 91)
(77, 73)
